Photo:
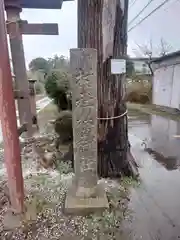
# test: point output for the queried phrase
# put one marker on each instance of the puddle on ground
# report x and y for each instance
(155, 203)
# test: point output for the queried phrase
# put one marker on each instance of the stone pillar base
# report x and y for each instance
(80, 205)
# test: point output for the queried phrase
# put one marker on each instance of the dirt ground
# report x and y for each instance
(45, 191)
(44, 118)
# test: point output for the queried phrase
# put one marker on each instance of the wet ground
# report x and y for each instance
(41, 103)
(156, 202)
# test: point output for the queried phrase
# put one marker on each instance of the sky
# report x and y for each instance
(162, 24)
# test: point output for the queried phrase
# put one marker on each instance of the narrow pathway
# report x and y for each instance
(40, 104)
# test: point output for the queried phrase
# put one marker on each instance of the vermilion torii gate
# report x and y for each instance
(16, 27)
(7, 105)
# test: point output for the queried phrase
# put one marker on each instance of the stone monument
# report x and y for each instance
(85, 193)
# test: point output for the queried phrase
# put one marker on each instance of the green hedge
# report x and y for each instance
(57, 88)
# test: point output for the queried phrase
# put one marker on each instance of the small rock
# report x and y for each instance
(51, 121)
(31, 213)
(11, 220)
(50, 147)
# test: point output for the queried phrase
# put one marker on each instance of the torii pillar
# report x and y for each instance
(9, 124)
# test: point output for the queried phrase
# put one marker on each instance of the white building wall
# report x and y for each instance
(163, 132)
(175, 101)
(163, 86)
(166, 85)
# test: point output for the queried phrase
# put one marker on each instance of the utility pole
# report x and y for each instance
(9, 124)
(102, 25)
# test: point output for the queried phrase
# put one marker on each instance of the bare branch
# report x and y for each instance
(148, 50)
(164, 47)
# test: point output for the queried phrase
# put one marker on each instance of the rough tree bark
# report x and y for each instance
(112, 134)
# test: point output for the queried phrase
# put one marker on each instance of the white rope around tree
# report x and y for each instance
(115, 117)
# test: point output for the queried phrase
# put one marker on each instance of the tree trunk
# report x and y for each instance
(112, 133)
(90, 28)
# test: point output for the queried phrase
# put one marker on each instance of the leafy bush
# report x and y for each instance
(57, 88)
(63, 126)
(139, 90)
(138, 97)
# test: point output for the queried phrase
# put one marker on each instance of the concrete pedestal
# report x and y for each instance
(81, 205)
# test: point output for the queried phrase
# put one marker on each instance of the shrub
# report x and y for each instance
(138, 97)
(63, 126)
(57, 88)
